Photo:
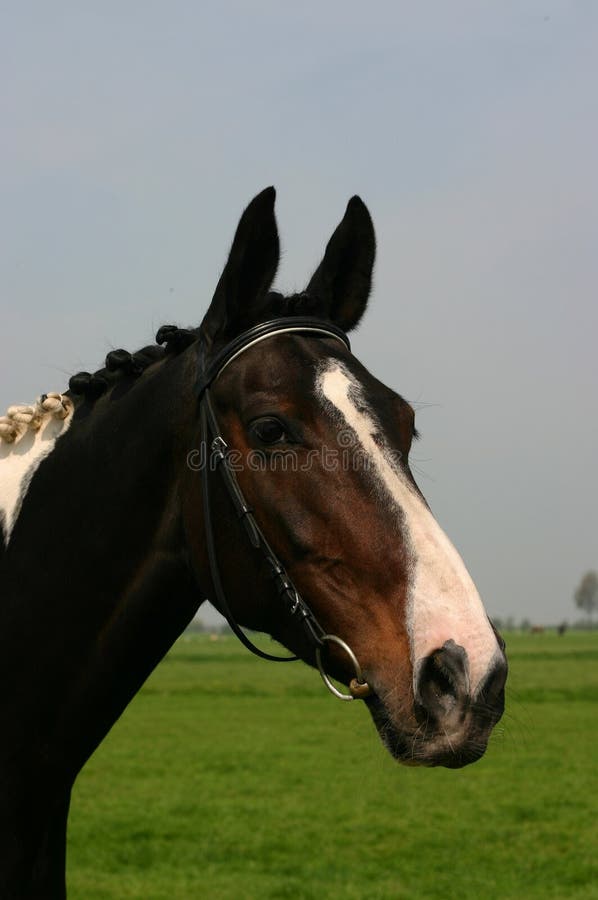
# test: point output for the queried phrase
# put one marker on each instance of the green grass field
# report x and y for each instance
(229, 777)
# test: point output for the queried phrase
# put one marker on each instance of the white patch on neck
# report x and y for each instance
(443, 601)
(19, 462)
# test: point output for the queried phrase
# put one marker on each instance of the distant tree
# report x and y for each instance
(586, 595)
(525, 625)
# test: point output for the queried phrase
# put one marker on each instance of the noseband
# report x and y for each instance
(213, 442)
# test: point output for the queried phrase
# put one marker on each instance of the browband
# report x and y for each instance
(284, 325)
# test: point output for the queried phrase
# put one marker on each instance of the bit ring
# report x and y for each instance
(359, 687)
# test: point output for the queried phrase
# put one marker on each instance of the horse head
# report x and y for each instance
(320, 452)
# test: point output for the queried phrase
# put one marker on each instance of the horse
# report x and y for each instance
(253, 461)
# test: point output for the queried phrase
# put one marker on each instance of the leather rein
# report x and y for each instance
(216, 456)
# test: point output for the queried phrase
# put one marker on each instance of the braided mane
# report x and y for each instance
(119, 363)
(19, 419)
(91, 385)
(170, 340)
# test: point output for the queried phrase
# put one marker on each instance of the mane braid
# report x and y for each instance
(19, 419)
(91, 385)
(122, 364)
(302, 304)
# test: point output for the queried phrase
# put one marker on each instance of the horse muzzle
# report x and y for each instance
(447, 725)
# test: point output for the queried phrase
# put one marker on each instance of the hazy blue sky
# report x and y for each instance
(134, 133)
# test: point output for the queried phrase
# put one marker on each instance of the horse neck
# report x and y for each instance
(108, 491)
(95, 579)
(95, 588)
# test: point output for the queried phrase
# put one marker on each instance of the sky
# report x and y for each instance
(134, 134)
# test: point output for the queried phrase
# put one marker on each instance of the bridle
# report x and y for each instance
(216, 452)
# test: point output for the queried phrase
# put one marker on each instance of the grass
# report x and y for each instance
(229, 777)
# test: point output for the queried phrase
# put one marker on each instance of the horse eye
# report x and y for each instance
(269, 431)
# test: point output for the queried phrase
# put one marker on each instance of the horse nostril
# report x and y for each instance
(492, 687)
(442, 683)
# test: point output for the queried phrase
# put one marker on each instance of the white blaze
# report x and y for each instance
(19, 462)
(443, 601)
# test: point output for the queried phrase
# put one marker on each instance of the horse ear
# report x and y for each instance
(343, 280)
(248, 273)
